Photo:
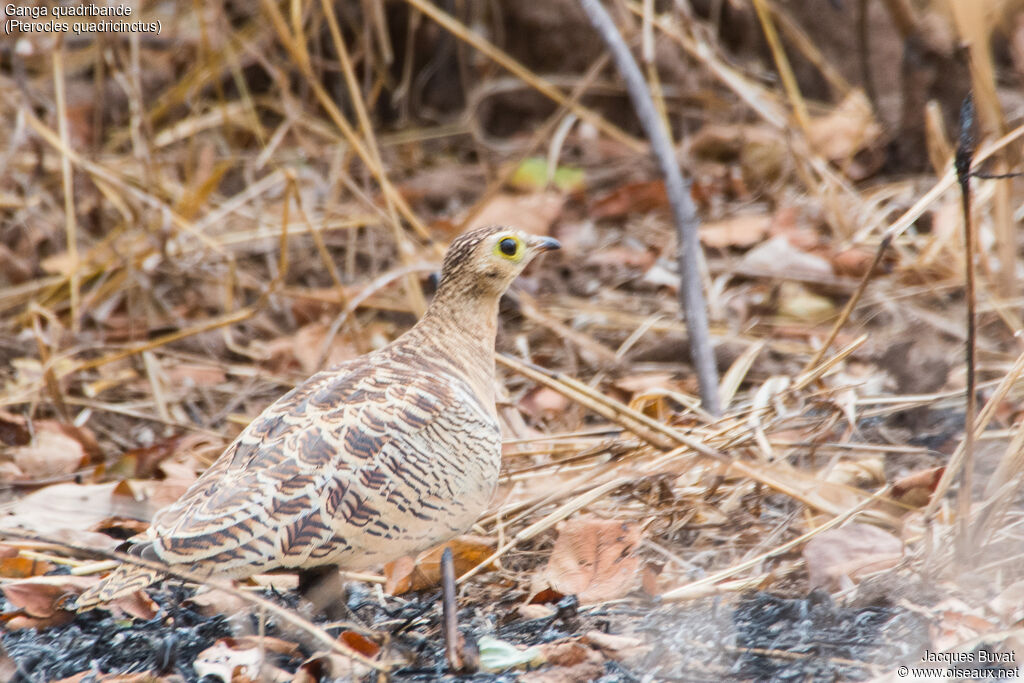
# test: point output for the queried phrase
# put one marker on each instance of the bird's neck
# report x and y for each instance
(461, 330)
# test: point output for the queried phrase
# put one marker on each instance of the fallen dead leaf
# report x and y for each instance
(958, 623)
(360, 643)
(592, 559)
(916, 489)
(323, 667)
(23, 567)
(836, 559)
(404, 575)
(41, 602)
(845, 130)
(616, 647)
(571, 660)
(739, 231)
(778, 256)
(630, 199)
(797, 301)
(534, 213)
(542, 403)
(68, 506)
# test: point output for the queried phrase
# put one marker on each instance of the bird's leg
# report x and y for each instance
(324, 589)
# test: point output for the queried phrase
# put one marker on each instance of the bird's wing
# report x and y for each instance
(365, 460)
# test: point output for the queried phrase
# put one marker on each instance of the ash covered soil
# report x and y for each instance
(755, 637)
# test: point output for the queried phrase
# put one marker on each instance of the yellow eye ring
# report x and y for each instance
(510, 248)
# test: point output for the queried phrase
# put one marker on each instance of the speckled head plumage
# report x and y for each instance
(485, 261)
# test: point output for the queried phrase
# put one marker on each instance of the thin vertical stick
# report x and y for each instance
(964, 153)
(683, 209)
(70, 223)
(449, 611)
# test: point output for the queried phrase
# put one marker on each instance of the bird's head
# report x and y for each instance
(484, 262)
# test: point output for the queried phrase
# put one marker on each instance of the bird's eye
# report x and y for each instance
(508, 246)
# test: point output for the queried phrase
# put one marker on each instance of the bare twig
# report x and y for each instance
(964, 154)
(683, 209)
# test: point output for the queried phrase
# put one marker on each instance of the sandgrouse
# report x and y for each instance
(378, 457)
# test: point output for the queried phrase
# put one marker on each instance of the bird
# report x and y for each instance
(375, 458)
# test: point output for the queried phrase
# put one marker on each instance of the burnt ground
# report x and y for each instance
(759, 637)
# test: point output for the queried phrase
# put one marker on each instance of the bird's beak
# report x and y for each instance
(545, 243)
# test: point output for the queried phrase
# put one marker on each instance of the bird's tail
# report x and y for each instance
(123, 581)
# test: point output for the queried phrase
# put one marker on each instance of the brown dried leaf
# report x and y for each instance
(534, 213)
(360, 643)
(631, 198)
(836, 559)
(45, 596)
(738, 231)
(404, 575)
(915, 490)
(593, 559)
(303, 349)
(68, 506)
(846, 130)
(195, 374)
(615, 646)
(542, 403)
(571, 661)
(23, 567)
(322, 667)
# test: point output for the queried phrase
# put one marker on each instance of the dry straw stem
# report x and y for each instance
(956, 461)
(282, 613)
(70, 222)
(415, 292)
(101, 174)
(493, 52)
(696, 589)
(536, 140)
(296, 48)
(774, 475)
(817, 175)
(796, 100)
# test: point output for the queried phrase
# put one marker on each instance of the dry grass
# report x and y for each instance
(198, 220)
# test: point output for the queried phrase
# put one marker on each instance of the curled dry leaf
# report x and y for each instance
(360, 643)
(836, 559)
(405, 574)
(916, 489)
(593, 559)
(48, 450)
(43, 601)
